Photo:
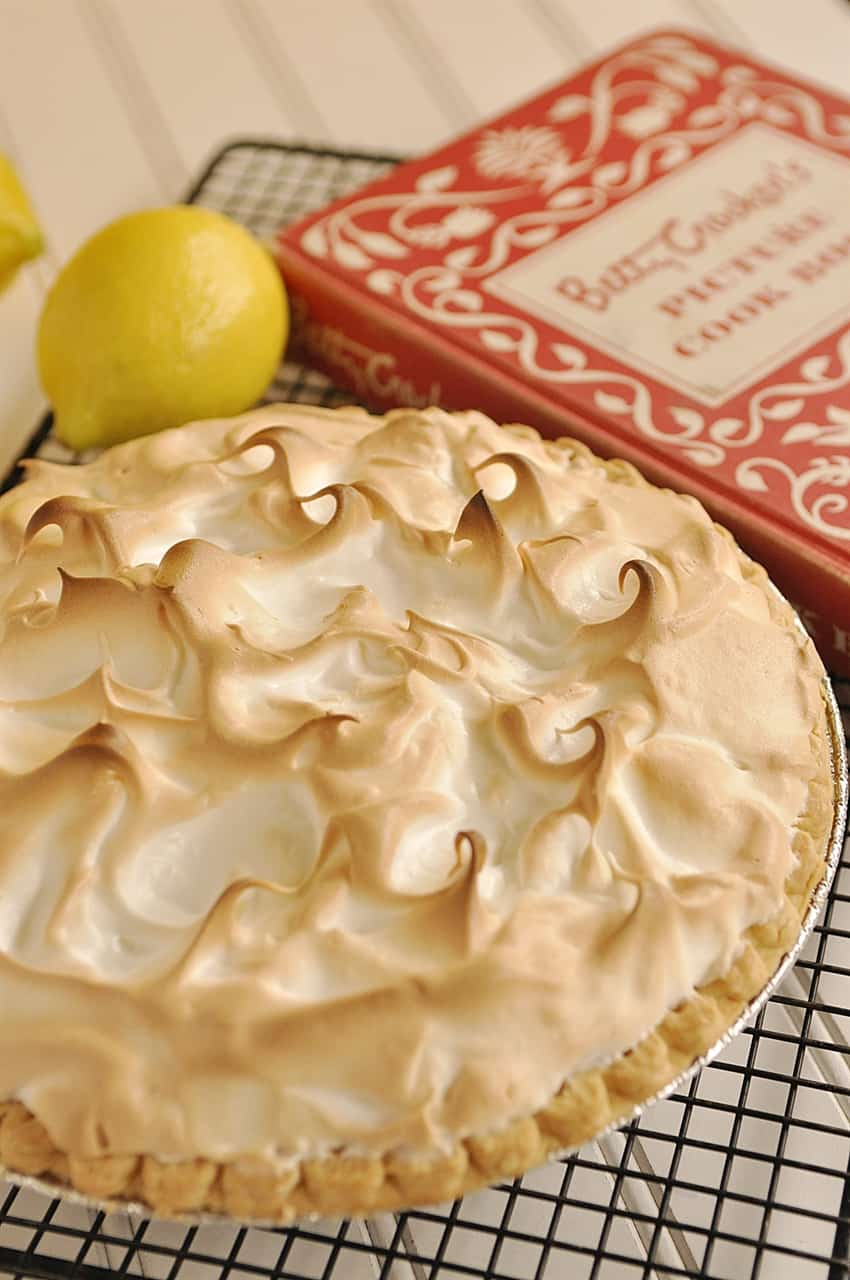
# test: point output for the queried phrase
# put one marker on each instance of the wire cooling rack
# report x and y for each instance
(745, 1175)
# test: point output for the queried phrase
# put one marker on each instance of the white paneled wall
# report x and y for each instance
(109, 105)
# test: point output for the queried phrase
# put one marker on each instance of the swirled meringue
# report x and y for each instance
(361, 779)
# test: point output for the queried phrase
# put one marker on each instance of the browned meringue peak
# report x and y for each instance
(362, 778)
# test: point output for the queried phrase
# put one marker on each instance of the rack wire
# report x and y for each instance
(744, 1175)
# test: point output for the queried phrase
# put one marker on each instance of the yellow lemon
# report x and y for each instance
(20, 234)
(163, 317)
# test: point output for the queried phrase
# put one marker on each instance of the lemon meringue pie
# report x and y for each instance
(386, 803)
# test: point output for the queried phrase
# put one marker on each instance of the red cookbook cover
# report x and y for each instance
(653, 256)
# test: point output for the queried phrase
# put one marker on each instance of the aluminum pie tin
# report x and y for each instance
(835, 842)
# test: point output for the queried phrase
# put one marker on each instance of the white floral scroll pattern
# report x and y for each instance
(813, 491)
(783, 105)
(813, 486)
(637, 94)
(530, 151)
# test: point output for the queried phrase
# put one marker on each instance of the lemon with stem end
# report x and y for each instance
(163, 317)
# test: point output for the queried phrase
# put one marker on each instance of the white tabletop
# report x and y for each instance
(111, 105)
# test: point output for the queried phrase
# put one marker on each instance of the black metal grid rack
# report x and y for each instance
(744, 1175)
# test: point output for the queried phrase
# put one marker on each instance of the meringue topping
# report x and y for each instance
(361, 779)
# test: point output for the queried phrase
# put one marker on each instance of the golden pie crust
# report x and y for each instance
(590, 1102)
